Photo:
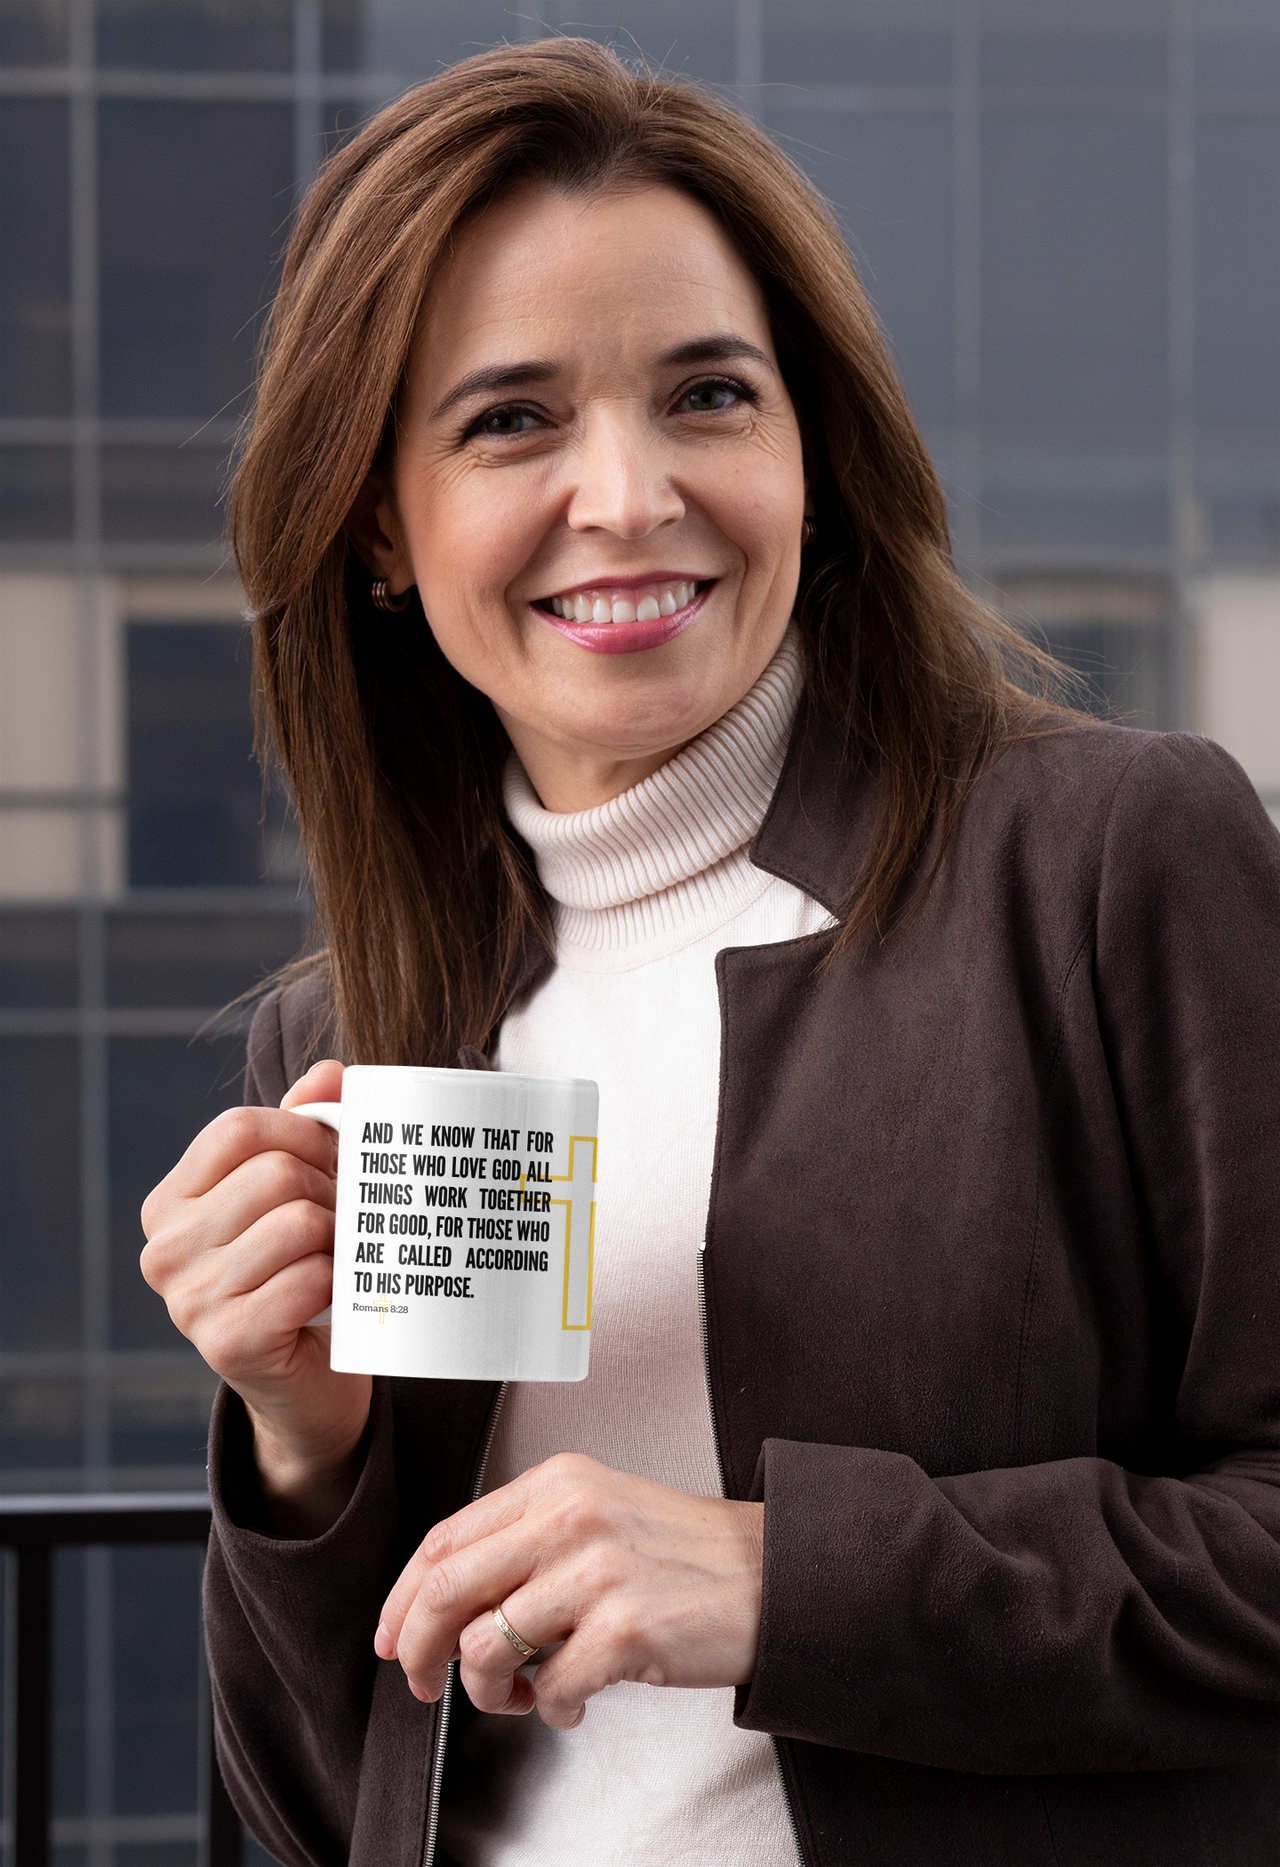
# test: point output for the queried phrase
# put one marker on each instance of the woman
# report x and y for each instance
(641, 729)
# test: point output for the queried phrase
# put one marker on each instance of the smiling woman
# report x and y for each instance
(641, 729)
(379, 377)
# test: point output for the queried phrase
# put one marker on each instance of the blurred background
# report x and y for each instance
(1067, 214)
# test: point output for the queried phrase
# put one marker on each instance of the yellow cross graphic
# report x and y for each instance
(579, 1231)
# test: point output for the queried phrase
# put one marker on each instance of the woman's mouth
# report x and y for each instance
(616, 619)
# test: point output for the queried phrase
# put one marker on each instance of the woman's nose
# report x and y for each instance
(623, 481)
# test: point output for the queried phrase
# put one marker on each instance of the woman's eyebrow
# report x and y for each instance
(498, 377)
(718, 348)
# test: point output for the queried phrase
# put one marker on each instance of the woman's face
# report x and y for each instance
(599, 486)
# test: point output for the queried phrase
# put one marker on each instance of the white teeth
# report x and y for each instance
(658, 600)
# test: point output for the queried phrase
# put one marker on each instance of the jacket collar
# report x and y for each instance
(815, 832)
(818, 826)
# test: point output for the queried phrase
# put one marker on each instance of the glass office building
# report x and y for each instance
(1067, 214)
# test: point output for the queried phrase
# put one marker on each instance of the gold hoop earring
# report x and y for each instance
(808, 532)
(392, 605)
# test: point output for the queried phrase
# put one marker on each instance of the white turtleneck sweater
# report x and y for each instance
(647, 889)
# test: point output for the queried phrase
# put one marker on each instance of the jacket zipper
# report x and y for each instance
(715, 1440)
(706, 1364)
(442, 1726)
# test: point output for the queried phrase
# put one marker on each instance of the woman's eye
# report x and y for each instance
(500, 421)
(706, 398)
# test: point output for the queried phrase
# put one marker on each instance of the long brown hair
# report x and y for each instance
(430, 905)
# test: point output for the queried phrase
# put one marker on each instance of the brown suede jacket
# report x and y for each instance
(992, 1274)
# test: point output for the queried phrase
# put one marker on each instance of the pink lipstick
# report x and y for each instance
(628, 616)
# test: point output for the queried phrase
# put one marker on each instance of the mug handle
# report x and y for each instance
(330, 1114)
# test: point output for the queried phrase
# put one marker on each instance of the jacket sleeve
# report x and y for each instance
(289, 1624)
(292, 1027)
(265, 1076)
(289, 1633)
(1073, 1615)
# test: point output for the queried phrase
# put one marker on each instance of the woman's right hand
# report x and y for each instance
(240, 1246)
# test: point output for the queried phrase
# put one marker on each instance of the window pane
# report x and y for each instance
(196, 35)
(698, 40)
(196, 813)
(196, 808)
(195, 203)
(68, 1684)
(195, 959)
(889, 178)
(410, 41)
(1238, 273)
(163, 493)
(156, 1602)
(39, 1432)
(37, 498)
(1114, 634)
(1100, 43)
(1125, 668)
(126, 1625)
(341, 122)
(1237, 44)
(160, 1423)
(39, 1193)
(1075, 500)
(35, 258)
(163, 1090)
(866, 42)
(342, 35)
(37, 957)
(33, 32)
(1240, 496)
(1074, 270)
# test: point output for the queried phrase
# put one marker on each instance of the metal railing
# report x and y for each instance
(34, 1527)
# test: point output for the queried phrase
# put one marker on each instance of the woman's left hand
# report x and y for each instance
(638, 1581)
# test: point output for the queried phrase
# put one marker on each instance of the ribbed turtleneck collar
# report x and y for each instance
(666, 862)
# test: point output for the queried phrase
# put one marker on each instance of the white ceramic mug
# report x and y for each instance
(464, 1239)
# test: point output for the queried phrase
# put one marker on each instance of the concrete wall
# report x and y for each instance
(1238, 674)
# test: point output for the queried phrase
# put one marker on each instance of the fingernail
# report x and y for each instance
(383, 1645)
(418, 1693)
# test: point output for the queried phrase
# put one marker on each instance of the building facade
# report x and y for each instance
(1067, 214)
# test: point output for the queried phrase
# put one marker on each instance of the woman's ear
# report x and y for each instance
(373, 526)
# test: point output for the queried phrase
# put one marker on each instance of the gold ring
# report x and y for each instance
(522, 1647)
